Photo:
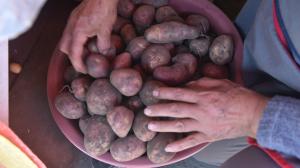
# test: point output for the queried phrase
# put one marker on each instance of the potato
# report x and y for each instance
(80, 86)
(200, 46)
(146, 94)
(137, 46)
(125, 8)
(128, 148)
(171, 31)
(123, 60)
(97, 66)
(140, 127)
(98, 136)
(128, 81)
(92, 45)
(117, 43)
(143, 17)
(156, 148)
(68, 106)
(156, 3)
(83, 122)
(102, 97)
(120, 119)
(163, 13)
(120, 22)
(128, 33)
(182, 49)
(155, 56)
(170, 47)
(70, 74)
(214, 71)
(184, 67)
(134, 103)
(198, 21)
(140, 69)
(221, 50)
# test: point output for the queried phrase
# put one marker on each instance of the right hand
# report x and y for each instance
(90, 18)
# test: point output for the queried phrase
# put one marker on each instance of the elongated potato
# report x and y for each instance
(102, 97)
(146, 94)
(200, 46)
(97, 66)
(198, 21)
(140, 127)
(164, 12)
(156, 3)
(137, 46)
(128, 148)
(128, 81)
(156, 148)
(68, 106)
(221, 50)
(128, 33)
(171, 31)
(120, 119)
(134, 103)
(125, 8)
(80, 87)
(98, 136)
(215, 71)
(143, 17)
(155, 56)
(123, 60)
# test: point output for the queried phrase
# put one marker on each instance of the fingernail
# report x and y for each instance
(169, 149)
(155, 93)
(147, 111)
(151, 126)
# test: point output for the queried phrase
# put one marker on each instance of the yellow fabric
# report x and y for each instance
(12, 157)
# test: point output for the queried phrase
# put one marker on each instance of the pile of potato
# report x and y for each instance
(152, 46)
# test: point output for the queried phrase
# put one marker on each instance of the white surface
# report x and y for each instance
(4, 82)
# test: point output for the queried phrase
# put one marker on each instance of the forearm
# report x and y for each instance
(279, 128)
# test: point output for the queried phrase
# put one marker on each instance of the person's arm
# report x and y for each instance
(90, 18)
(279, 127)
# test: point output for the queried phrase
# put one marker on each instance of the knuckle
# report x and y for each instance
(180, 126)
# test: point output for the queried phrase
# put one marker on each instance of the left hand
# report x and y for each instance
(211, 109)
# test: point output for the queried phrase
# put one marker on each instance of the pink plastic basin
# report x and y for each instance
(219, 23)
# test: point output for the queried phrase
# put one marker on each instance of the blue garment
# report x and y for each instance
(269, 69)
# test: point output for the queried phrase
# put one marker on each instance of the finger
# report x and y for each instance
(76, 55)
(187, 142)
(104, 41)
(178, 125)
(176, 110)
(208, 84)
(176, 94)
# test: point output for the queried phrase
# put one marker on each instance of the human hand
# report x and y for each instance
(90, 18)
(211, 109)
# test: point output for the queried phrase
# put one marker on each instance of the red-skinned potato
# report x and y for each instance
(127, 81)
(125, 8)
(128, 33)
(98, 136)
(156, 148)
(140, 127)
(137, 46)
(97, 66)
(123, 60)
(198, 21)
(215, 71)
(120, 119)
(171, 31)
(156, 3)
(102, 97)
(118, 43)
(134, 103)
(163, 13)
(221, 50)
(80, 87)
(68, 106)
(146, 94)
(140, 69)
(155, 56)
(120, 22)
(128, 148)
(143, 17)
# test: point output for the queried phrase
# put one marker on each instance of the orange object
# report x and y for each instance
(9, 135)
